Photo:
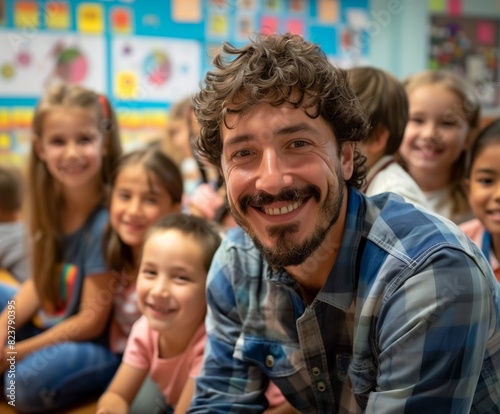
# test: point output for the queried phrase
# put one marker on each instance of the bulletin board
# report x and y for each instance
(468, 46)
(145, 54)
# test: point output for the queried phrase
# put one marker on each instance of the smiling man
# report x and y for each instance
(349, 304)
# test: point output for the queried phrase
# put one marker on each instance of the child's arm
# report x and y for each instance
(88, 323)
(186, 397)
(26, 303)
(122, 391)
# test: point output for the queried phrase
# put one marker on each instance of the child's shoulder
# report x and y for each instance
(98, 219)
(473, 228)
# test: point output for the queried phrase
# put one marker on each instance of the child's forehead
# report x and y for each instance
(174, 246)
(75, 110)
(436, 96)
(173, 239)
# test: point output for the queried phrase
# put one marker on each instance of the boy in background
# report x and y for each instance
(384, 99)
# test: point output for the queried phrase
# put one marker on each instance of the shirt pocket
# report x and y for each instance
(275, 359)
(362, 378)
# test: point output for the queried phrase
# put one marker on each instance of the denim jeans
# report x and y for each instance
(59, 375)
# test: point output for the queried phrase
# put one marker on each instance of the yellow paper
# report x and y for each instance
(25, 117)
(4, 142)
(436, 5)
(126, 85)
(57, 15)
(328, 11)
(26, 14)
(218, 25)
(4, 119)
(90, 18)
(186, 11)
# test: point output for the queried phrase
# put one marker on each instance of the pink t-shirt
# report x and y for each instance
(125, 313)
(474, 229)
(171, 374)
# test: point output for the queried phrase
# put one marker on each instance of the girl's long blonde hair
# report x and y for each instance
(469, 107)
(44, 198)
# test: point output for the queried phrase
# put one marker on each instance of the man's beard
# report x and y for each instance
(286, 251)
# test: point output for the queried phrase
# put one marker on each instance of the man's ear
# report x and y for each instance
(347, 159)
(37, 144)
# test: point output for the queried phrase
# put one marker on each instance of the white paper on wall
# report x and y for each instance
(31, 62)
(155, 69)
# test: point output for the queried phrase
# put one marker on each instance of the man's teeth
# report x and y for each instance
(283, 210)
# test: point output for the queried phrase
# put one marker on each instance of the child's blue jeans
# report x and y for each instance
(59, 375)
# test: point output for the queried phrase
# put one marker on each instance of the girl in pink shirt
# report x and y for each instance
(483, 184)
(168, 340)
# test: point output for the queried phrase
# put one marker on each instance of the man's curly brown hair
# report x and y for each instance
(278, 69)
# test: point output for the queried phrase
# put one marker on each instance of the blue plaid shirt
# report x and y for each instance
(407, 322)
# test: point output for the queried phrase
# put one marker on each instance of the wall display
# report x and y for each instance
(154, 69)
(29, 64)
(146, 54)
(469, 47)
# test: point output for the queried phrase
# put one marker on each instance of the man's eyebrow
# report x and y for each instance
(238, 139)
(289, 129)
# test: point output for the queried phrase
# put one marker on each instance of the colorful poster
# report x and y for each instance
(90, 18)
(485, 33)
(57, 15)
(186, 11)
(121, 20)
(455, 7)
(30, 64)
(245, 26)
(436, 6)
(328, 11)
(295, 26)
(218, 25)
(155, 69)
(269, 25)
(26, 14)
(3, 10)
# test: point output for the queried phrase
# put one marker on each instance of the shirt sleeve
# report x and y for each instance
(226, 384)
(432, 334)
(140, 348)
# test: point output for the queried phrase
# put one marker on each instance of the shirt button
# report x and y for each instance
(316, 371)
(269, 361)
(321, 386)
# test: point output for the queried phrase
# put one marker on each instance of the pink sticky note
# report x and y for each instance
(485, 33)
(295, 26)
(455, 7)
(269, 25)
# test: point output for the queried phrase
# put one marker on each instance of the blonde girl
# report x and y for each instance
(146, 185)
(443, 118)
(60, 357)
(483, 185)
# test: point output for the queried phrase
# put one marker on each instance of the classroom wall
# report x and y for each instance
(125, 41)
(401, 43)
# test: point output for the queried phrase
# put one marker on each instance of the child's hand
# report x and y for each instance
(111, 403)
(204, 202)
(114, 410)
